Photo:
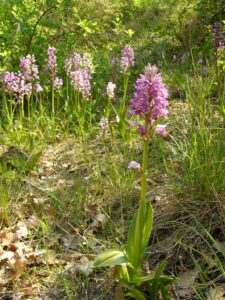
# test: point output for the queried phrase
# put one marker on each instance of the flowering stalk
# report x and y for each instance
(125, 87)
(110, 90)
(52, 65)
(149, 103)
(8, 79)
(127, 60)
(29, 107)
(11, 108)
(30, 74)
(6, 109)
(67, 92)
(21, 108)
(53, 99)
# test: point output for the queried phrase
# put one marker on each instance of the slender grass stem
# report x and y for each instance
(53, 99)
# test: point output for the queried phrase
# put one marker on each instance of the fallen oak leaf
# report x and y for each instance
(21, 231)
(99, 222)
(32, 222)
(6, 238)
(7, 256)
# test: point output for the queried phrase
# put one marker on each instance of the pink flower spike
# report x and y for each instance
(127, 58)
(161, 130)
(110, 90)
(132, 124)
(134, 165)
(38, 88)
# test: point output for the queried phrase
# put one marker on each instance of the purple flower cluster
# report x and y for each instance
(127, 58)
(58, 83)
(104, 126)
(110, 90)
(73, 63)
(218, 39)
(150, 98)
(14, 83)
(87, 63)
(76, 62)
(28, 68)
(22, 83)
(161, 130)
(79, 69)
(8, 81)
(134, 165)
(81, 82)
(52, 65)
(38, 88)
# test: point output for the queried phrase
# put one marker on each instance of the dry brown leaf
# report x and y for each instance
(33, 221)
(216, 293)
(186, 280)
(83, 267)
(7, 256)
(39, 200)
(72, 242)
(5, 277)
(220, 246)
(20, 263)
(99, 221)
(6, 238)
(21, 231)
(119, 292)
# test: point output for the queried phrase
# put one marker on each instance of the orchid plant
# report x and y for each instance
(79, 69)
(56, 82)
(150, 102)
(126, 62)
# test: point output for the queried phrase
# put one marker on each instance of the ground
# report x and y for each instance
(78, 200)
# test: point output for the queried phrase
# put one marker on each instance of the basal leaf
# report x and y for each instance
(110, 258)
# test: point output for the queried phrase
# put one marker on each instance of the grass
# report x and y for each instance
(76, 196)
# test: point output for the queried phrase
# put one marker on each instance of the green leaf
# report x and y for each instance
(133, 243)
(142, 279)
(164, 292)
(123, 274)
(137, 244)
(110, 258)
(165, 280)
(134, 293)
(147, 227)
(130, 32)
(156, 280)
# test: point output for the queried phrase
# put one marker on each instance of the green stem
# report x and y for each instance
(144, 171)
(11, 109)
(40, 102)
(28, 107)
(141, 213)
(21, 108)
(125, 86)
(5, 105)
(67, 92)
(57, 104)
(142, 204)
(108, 108)
(53, 99)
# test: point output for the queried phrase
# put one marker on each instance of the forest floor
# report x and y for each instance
(78, 201)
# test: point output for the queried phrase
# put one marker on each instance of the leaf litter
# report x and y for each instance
(64, 250)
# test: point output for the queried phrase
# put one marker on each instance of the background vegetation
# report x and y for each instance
(67, 193)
